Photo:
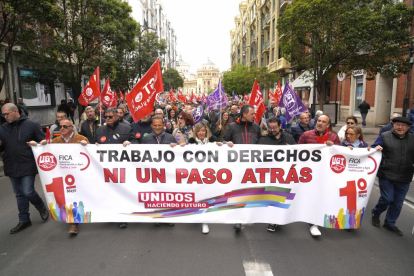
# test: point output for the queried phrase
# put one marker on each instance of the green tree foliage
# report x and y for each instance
(241, 79)
(20, 20)
(172, 78)
(134, 62)
(343, 35)
(88, 35)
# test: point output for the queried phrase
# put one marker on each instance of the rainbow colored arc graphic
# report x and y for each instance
(243, 198)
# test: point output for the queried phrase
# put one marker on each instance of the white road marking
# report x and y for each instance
(257, 269)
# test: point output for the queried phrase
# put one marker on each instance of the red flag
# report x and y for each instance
(92, 89)
(172, 96)
(48, 135)
(109, 98)
(278, 93)
(142, 97)
(192, 97)
(256, 100)
(122, 96)
(181, 97)
(271, 95)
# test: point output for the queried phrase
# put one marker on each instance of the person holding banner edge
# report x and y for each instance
(115, 132)
(69, 137)
(16, 137)
(243, 131)
(395, 172)
(275, 137)
(320, 135)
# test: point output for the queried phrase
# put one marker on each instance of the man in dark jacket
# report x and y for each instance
(115, 132)
(16, 136)
(363, 108)
(142, 128)
(64, 107)
(301, 127)
(244, 130)
(158, 135)
(395, 172)
(276, 135)
(90, 126)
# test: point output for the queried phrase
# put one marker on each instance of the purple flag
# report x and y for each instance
(291, 102)
(198, 114)
(217, 99)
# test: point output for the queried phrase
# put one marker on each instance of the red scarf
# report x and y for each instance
(322, 139)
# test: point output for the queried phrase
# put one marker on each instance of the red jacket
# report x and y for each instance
(309, 137)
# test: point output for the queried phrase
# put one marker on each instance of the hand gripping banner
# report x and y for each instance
(327, 186)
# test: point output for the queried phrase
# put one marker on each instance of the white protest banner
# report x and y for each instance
(327, 186)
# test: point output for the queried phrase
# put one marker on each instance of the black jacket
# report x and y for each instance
(363, 107)
(86, 131)
(164, 138)
(18, 156)
(116, 135)
(242, 133)
(143, 128)
(397, 162)
(283, 140)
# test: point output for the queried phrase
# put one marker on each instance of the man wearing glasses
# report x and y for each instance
(275, 137)
(395, 172)
(302, 127)
(68, 137)
(115, 132)
(16, 137)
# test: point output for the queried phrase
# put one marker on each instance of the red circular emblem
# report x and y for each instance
(338, 163)
(138, 135)
(103, 139)
(46, 161)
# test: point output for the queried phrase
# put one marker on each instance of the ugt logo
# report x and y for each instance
(46, 161)
(338, 163)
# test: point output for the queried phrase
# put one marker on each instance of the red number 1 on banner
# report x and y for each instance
(58, 190)
(350, 192)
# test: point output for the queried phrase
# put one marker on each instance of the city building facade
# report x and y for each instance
(207, 79)
(151, 16)
(255, 40)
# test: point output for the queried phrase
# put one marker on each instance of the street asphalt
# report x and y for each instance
(146, 249)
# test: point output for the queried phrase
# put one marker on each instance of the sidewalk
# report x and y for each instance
(370, 135)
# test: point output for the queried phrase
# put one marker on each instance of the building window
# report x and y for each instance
(359, 82)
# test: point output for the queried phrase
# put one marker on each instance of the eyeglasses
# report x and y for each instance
(400, 125)
(108, 117)
(350, 123)
(6, 114)
(64, 126)
(350, 134)
(180, 118)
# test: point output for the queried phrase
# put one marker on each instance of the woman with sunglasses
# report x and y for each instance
(185, 128)
(354, 138)
(350, 121)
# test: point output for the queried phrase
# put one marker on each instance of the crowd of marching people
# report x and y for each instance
(173, 123)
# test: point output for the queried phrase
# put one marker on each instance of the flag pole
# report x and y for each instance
(220, 104)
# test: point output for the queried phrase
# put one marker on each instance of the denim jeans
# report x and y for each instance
(23, 188)
(364, 116)
(392, 197)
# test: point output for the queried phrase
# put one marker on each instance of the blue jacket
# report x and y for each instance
(298, 130)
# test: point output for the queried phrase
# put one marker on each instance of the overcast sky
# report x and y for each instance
(203, 29)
